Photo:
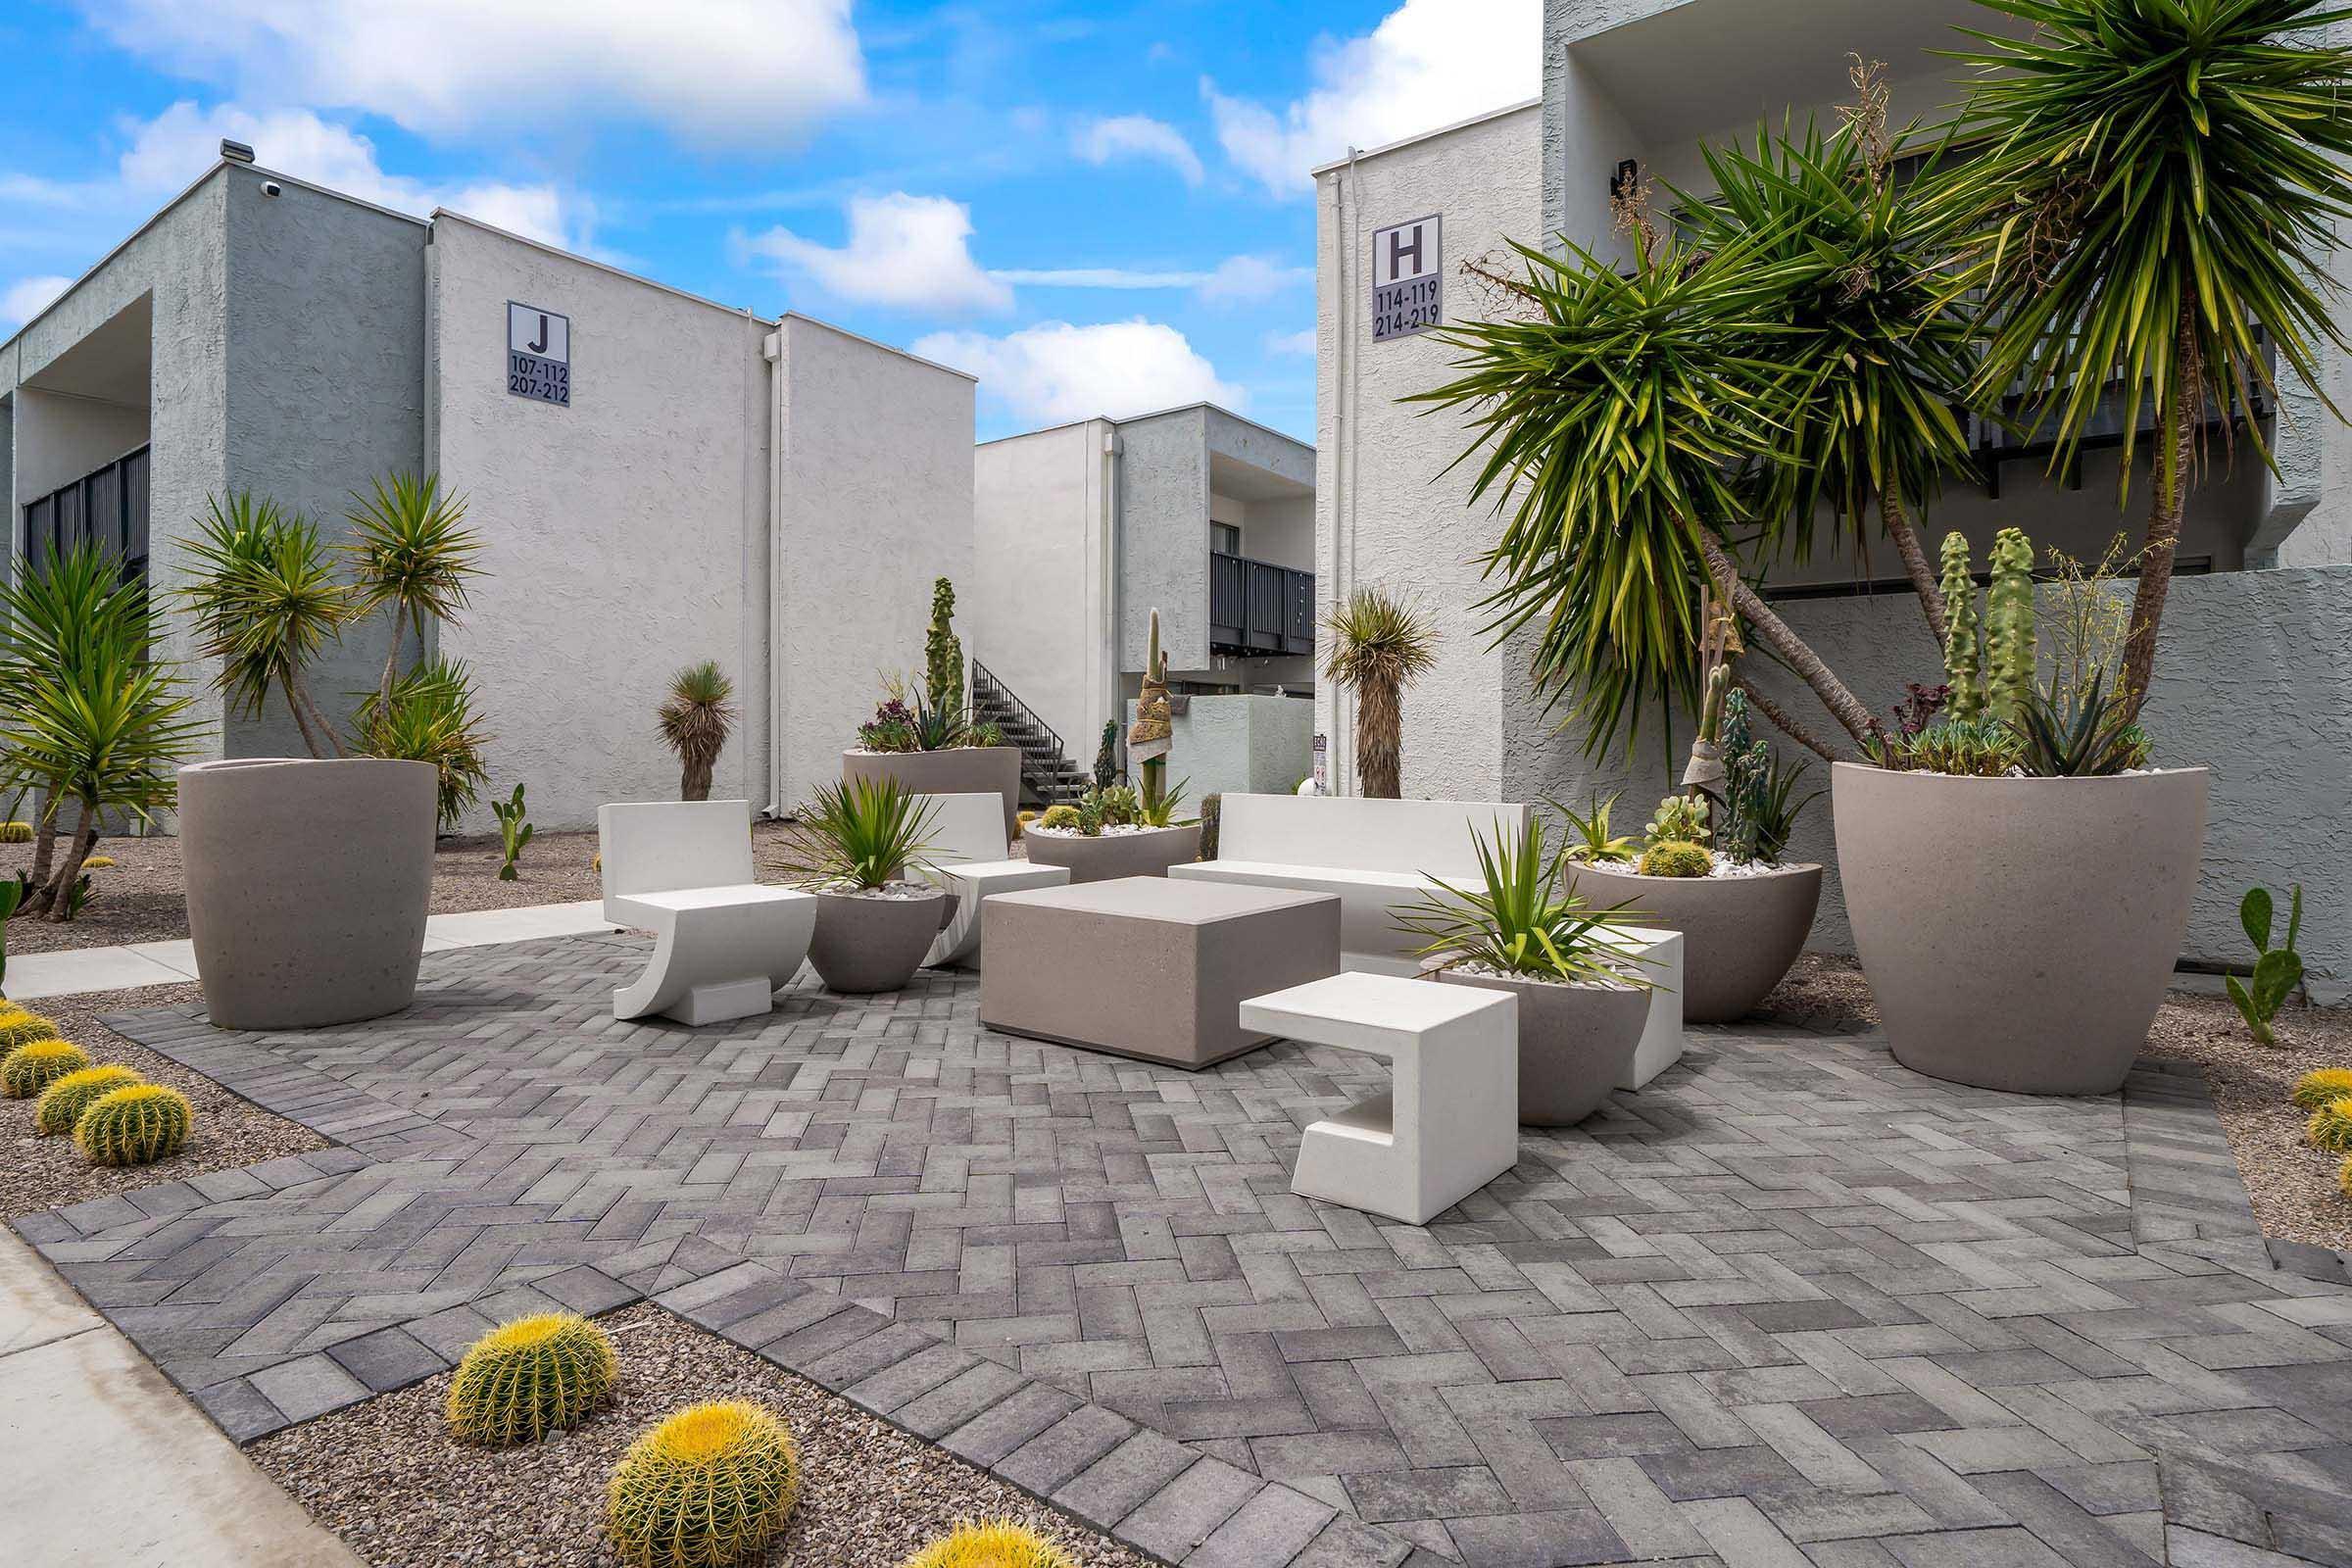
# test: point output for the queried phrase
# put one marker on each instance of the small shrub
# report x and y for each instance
(2316, 1088)
(1674, 859)
(1059, 818)
(137, 1125)
(992, 1543)
(21, 1028)
(527, 1378)
(12, 832)
(98, 862)
(2330, 1127)
(37, 1064)
(62, 1103)
(711, 1485)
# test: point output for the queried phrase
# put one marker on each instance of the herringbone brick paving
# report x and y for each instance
(1790, 1305)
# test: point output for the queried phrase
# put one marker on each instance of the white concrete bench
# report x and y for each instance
(969, 857)
(1376, 856)
(1450, 1122)
(722, 942)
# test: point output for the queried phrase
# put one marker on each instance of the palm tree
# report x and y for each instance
(411, 550)
(266, 602)
(1380, 644)
(430, 718)
(2159, 191)
(695, 719)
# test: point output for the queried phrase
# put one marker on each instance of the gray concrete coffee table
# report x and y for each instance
(1151, 967)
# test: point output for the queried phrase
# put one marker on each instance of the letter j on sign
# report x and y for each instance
(1406, 297)
(538, 355)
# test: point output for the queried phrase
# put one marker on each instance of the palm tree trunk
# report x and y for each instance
(301, 721)
(298, 691)
(383, 689)
(1379, 740)
(694, 780)
(60, 906)
(1915, 561)
(44, 854)
(1781, 721)
(2180, 409)
(1843, 705)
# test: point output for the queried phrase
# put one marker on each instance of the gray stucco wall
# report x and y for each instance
(1036, 610)
(1247, 743)
(1163, 537)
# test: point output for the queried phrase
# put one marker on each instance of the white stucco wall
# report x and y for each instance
(875, 502)
(1385, 510)
(616, 531)
(1243, 743)
(1039, 606)
(65, 437)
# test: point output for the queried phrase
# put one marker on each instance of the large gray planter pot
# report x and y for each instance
(1739, 933)
(1576, 1042)
(863, 944)
(1115, 855)
(960, 771)
(308, 884)
(2018, 933)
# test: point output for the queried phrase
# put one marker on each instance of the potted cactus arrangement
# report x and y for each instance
(1116, 830)
(925, 737)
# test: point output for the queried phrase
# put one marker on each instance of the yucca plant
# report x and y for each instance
(2157, 196)
(862, 835)
(1518, 921)
(525, 1379)
(695, 717)
(431, 718)
(266, 602)
(1379, 644)
(411, 553)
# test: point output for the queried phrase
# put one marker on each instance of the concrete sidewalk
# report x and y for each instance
(102, 1462)
(163, 963)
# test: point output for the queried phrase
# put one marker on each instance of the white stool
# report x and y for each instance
(1449, 1126)
(1661, 1046)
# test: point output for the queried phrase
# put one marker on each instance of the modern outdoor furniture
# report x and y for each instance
(969, 857)
(722, 943)
(1149, 967)
(1375, 856)
(1661, 1045)
(1450, 1124)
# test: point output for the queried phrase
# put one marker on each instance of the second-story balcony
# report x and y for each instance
(1258, 610)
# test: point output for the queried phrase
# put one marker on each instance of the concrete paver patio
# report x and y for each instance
(1792, 1303)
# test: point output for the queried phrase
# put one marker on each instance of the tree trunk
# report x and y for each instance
(298, 695)
(1379, 740)
(44, 856)
(694, 779)
(302, 720)
(1781, 721)
(2180, 409)
(1843, 705)
(60, 906)
(1915, 561)
(392, 659)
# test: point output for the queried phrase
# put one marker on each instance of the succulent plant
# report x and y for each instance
(2330, 1127)
(37, 1064)
(1962, 655)
(1059, 818)
(990, 1543)
(18, 1027)
(525, 1379)
(15, 832)
(2316, 1088)
(62, 1103)
(2009, 628)
(1676, 857)
(1678, 819)
(136, 1125)
(711, 1485)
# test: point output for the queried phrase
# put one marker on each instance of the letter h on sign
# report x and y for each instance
(1407, 296)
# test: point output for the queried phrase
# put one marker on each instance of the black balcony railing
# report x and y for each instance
(1258, 610)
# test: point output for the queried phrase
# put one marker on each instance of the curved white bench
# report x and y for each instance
(969, 857)
(722, 942)
(1376, 856)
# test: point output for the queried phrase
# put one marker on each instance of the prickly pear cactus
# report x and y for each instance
(1962, 659)
(2009, 628)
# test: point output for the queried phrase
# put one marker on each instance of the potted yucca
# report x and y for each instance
(856, 844)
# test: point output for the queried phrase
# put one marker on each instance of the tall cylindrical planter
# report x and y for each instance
(308, 885)
(958, 770)
(1739, 933)
(2018, 933)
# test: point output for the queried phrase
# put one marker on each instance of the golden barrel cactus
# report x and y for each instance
(2330, 1127)
(994, 1543)
(37, 1064)
(2316, 1088)
(530, 1377)
(137, 1125)
(62, 1103)
(710, 1486)
(18, 1027)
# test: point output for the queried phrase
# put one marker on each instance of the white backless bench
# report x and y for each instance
(969, 857)
(722, 941)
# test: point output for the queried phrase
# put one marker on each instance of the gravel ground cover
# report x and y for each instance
(37, 1173)
(2292, 1185)
(385, 1476)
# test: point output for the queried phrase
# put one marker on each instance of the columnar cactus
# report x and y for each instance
(1962, 659)
(62, 1103)
(943, 652)
(527, 1378)
(137, 1125)
(713, 1484)
(18, 1027)
(1151, 735)
(35, 1064)
(2009, 628)
(992, 1543)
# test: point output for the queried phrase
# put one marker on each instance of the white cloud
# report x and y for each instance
(909, 251)
(1428, 63)
(1056, 373)
(1098, 277)
(720, 70)
(1302, 342)
(1236, 279)
(1100, 141)
(1250, 279)
(27, 297)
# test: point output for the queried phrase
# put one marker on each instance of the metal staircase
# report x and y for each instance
(1048, 775)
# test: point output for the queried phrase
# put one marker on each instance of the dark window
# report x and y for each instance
(1225, 538)
(107, 507)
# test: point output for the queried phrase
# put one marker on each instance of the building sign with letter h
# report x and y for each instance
(538, 355)
(1405, 293)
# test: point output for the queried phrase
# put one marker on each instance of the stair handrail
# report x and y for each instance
(1003, 695)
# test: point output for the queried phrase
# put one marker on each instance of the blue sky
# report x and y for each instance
(1095, 207)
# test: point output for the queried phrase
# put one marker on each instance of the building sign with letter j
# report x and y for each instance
(538, 353)
(1405, 296)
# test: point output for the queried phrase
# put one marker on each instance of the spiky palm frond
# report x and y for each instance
(431, 718)
(1518, 921)
(410, 549)
(861, 834)
(1378, 643)
(265, 598)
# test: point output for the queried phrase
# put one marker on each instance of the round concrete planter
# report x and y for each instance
(308, 884)
(1115, 855)
(862, 945)
(2018, 933)
(1576, 1042)
(1739, 933)
(959, 770)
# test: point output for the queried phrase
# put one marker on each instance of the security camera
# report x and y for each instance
(270, 187)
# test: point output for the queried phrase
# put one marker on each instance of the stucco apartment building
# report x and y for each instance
(2251, 679)
(655, 478)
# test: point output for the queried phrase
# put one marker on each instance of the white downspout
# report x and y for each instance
(771, 349)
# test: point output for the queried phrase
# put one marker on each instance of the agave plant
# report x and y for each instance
(1592, 844)
(2086, 734)
(431, 718)
(1519, 923)
(1380, 644)
(862, 835)
(410, 551)
(696, 718)
(266, 601)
